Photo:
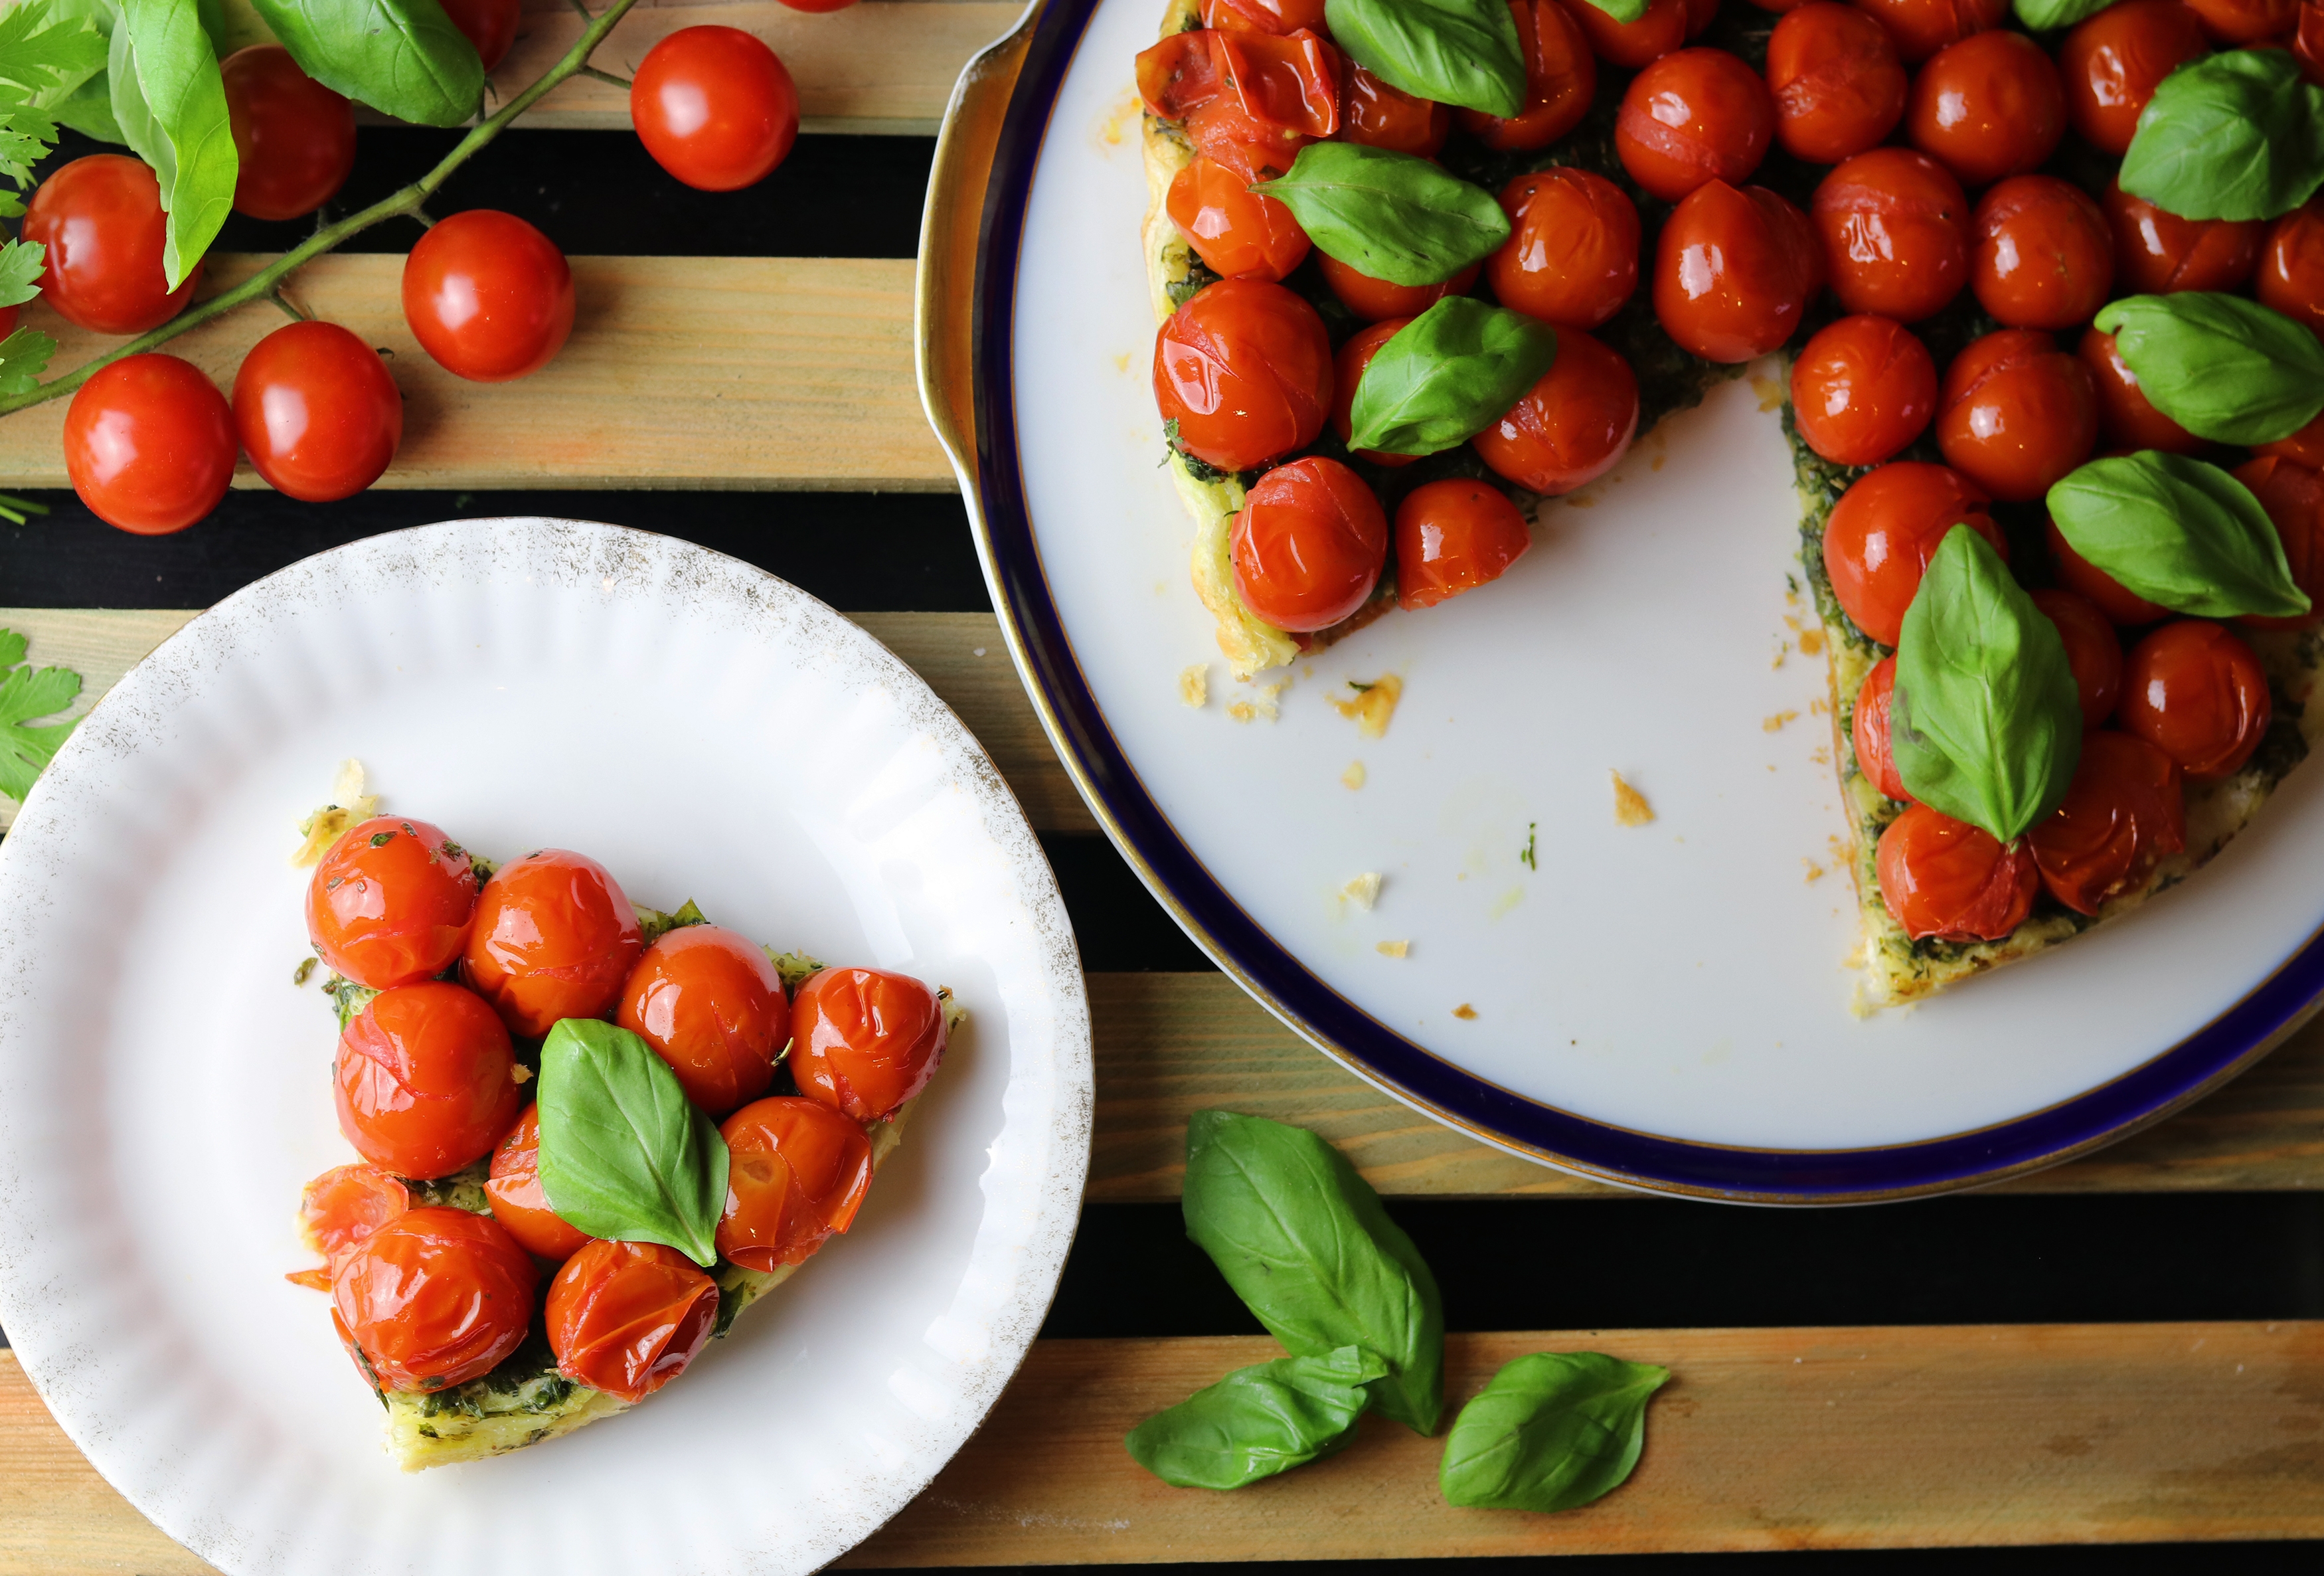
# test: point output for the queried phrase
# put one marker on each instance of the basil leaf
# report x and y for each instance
(1304, 1242)
(623, 1154)
(1447, 375)
(1392, 216)
(1258, 1421)
(2180, 533)
(169, 102)
(1984, 722)
(89, 110)
(1553, 1431)
(2235, 135)
(1622, 11)
(401, 56)
(2042, 15)
(2222, 367)
(1456, 51)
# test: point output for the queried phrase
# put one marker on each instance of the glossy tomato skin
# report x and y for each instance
(1373, 300)
(2093, 650)
(1694, 115)
(1244, 368)
(1561, 80)
(1573, 426)
(489, 25)
(554, 937)
(2105, 593)
(1455, 536)
(2199, 695)
(1238, 233)
(1868, 731)
(1880, 536)
(426, 1080)
(435, 1298)
(1355, 355)
(1279, 17)
(2126, 418)
(1309, 545)
(1895, 230)
(2015, 413)
(1922, 27)
(519, 1203)
(1948, 880)
(1248, 100)
(2291, 267)
(487, 296)
(2293, 496)
(295, 138)
(100, 224)
(2045, 256)
(1380, 117)
(1631, 45)
(797, 1172)
(2124, 813)
(710, 1005)
(317, 412)
(2245, 22)
(1572, 257)
(1734, 272)
(1837, 86)
(2303, 447)
(2112, 63)
(867, 1040)
(2156, 253)
(715, 107)
(627, 1317)
(1989, 107)
(149, 444)
(391, 902)
(340, 1209)
(1862, 389)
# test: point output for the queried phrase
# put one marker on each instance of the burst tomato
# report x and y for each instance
(2199, 695)
(2017, 413)
(2291, 267)
(2293, 496)
(2093, 650)
(433, 1298)
(1380, 117)
(2125, 812)
(2156, 253)
(1309, 545)
(1694, 115)
(1666, 24)
(1734, 272)
(1862, 389)
(149, 444)
(518, 1201)
(710, 1005)
(868, 1039)
(1868, 731)
(294, 139)
(554, 936)
(2044, 257)
(2303, 447)
(1838, 84)
(1948, 880)
(1572, 426)
(2112, 63)
(2245, 22)
(1922, 27)
(1248, 100)
(100, 226)
(1347, 371)
(489, 298)
(1281, 17)
(797, 1172)
(1244, 368)
(1880, 536)
(1573, 253)
(316, 411)
(426, 1080)
(1373, 300)
(715, 107)
(2126, 416)
(1453, 536)
(1560, 79)
(2107, 594)
(1896, 230)
(391, 902)
(338, 1211)
(627, 1317)
(1987, 107)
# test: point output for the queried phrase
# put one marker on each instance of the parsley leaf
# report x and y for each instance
(23, 357)
(26, 693)
(20, 272)
(36, 52)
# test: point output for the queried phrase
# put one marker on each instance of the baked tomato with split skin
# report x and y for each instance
(1378, 116)
(2291, 276)
(2015, 413)
(627, 1317)
(1863, 388)
(1280, 17)
(1692, 116)
(339, 1210)
(1453, 536)
(2126, 417)
(2125, 813)
(866, 1041)
(2124, 609)
(2045, 256)
(2303, 447)
(1561, 81)
(554, 936)
(294, 139)
(1989, 107)
(1734, 272)
(1868, 731)
(1895, 230)
(149, 444)
(1665, 26)
(1244, 369)
(2156, 253)
(316, 411)
(391, 902)
(1372, 300)
(2112, 63)
(519, 1203)
(1922, 27)
(2293, 496)
(1880, 536)
(1248, 100)
(710, 1004)
(1837, 86)
(1572, 257)
(1348, 367)
(2198, 694)
(1309, 545)
(1573, 426)
(715, 107)
(2247, 22)
(100, 225)
(798, 1172)
(2093, 650)
(426, 1080)
(1947, 881)
(433, 1298)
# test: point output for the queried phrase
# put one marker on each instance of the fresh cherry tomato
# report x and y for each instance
(1573, 253)
(1868, 731)
(490, 24)
(714, 108)
(391, 901)
(1373, 300)
(295, 138)
(627, 1317)
(2124, 813)
(2199, 695)
(1734, 272)
(518, 1201)
(1880, 536)
(426, 1080)
(1380, 117)
(1922, 27)
(1948, 880)
(2044, 257)
(149, 444)
(2112, 63)
(2017, 413)
(2126, 416)
(2093, 650)
(2107, 594)
(1838, 84)
(1572, 426)
(2156, 253)
(433, 1298)
(1694, 115)
(710, 1005)
(339, 1210)
(1309, 545)
(1453, 536)
(796, 1172)
(1862, 389)
(1896, 230)
(1238, 233)
(2245, 22)
(1987, 107)
(100, 225)
(2291, 267)
(1348, 366)
(867, 1039)
(1666, 24)
(1244, 368)
(554, 937)
(316, 411)
(1561, 80)
(2293, 496)
(489, 296)
(1281, 17)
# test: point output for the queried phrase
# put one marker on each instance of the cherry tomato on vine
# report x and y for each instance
(2293, 496)
(2126, 417)
(1666, 25)
(2156, 253)
(1868, 731)
(1380, 117)
(1244, 368)
(2093, 650)
(1238, 233)
(796, 1173)
(489, 25)
(487, 296)
(2199, 695)
(519, 1203)
(1987, 107)
(1373, 300)
(1561, 80)
(1455, 536)
(295, 138)
(2291, 267)
(867, 1039)
(1862, 389)
(433, 1298)
(1922, 27)
(2123, 813)
(2105, 593)
(2045, 256)
(1573, 426)
(1949, 880)
(1692, 116)
(1734, 272)
(2112, 63)
(1573, 253)
(426, 1080)
(100, 225)
(1281, 17)
(149, 444)
(1309, 545)
(1880, 536)
(714, 108)
(2247, 22)
(554, 936)
(1838, 84)
(1895, 230)
(711, 1005)
(627, 1317)
(338, 1209)
(391, 902)
(2015, 413)
(1356, 353)
(316, 411)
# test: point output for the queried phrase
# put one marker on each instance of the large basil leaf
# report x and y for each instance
(2235, 135)
(1553, 1431)
(1304, 1242)
(1392, 216)
(401, 56)
(2042, 15)
(1258, 1421)
(2222, 367)
(623, 1154)
(1447, 375)
(2180, 533)
(1985, 721)
(169, 102)
(1454, 52)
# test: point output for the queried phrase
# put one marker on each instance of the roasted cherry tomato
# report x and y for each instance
(2293, 496)
(433, 1298)
(1987, 107)
(1570, 427)
(1868, 731)
(1248, 100)
(1777, 7)
(1380, 117)
(1880, 536)
(518, 1202)
(867, 1039)
(710, 1005)
(149, 444)
(316, 411)
(2156, 253)
(1560, 79)
(2303, 447)
(627, 1317)
(2124, 813)
(490, 24)
(1244, 368)
(1896, 230)
(1838, 84)
(294, 138)
(1453, 536)
(1922, 27)
(2245, 22)
(1356, 353)
(2291, 267)
(1862, 389)
(796, 1172)
(2126, 416)
(2093, 650)
(100, 225)
(1734, 272)
(487, 296)
(339, 1210)
(2017, 413)
(426, 1080)
(1666, 24)
(1373, 300)
(1309, 545)
(390, 904)
(2044, 257)
(2112, 63)
(554, 936)
(1573, 253)
(2199, 695)
(1694, 115)
(1281, 17)
(2107, 594)
(1949, 880)
(715, 107)
(1239, 233)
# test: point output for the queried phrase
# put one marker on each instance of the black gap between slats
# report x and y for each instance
(2279, 1559)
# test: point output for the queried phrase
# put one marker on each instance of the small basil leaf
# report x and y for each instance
(2043, 16)
(1622, 11)
(2235, 135)
(1447, 375)
(169, 102)
(623, 1154)
(1553, 1431)
(1984, 722)
(1258, 1421)
(401, 56)
(2222, 367)
(2180, 533)
(1392, 216)
(1456, 51)
(1303, 1241)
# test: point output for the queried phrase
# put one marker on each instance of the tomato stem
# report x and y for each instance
(622, 83)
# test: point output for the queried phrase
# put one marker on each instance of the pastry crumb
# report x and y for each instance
(1364, 890)
(1354, 775)
(1194, 684)
(1775, 725)
(1394, 949)
(1630, 806)
(1464, 1012)
(349, 803)
(1810, 642)
(1260, 704)
(1783, 650)
(1374, 704)
(1816, 872)
(1242, 711)
(1770, 392)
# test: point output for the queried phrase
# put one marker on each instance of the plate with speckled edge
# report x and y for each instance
(705, 730)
